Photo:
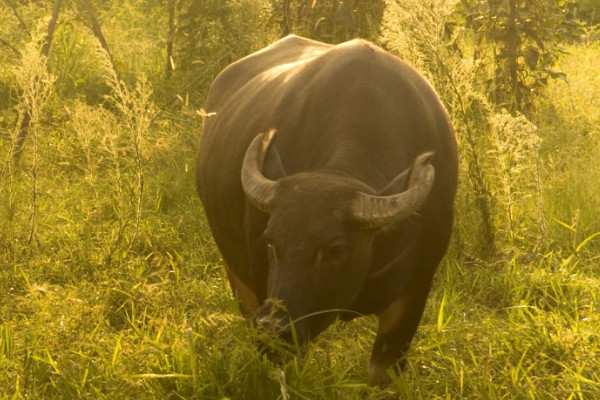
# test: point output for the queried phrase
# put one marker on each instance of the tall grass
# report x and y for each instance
(35, 86)
(569, 117)
(121, 294)
(516, 153)
(416, 31)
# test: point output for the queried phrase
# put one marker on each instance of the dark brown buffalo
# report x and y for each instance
(328, 175)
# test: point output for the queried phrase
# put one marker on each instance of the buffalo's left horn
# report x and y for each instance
(374, 211)
(259, 190)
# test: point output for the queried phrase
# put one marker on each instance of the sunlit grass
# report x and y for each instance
(570, 118)
(120, 292)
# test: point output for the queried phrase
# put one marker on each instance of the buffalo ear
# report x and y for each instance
(401, 182)
(272, 165)
(376, 211)
(397, 185)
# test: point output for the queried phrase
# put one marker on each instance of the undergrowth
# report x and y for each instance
(111, 286)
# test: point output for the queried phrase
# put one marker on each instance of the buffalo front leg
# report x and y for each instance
(397, 326)
(247, 301)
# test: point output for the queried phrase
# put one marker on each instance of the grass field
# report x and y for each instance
(111, 286)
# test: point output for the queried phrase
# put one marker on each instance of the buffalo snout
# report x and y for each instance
(272, 319)
(275, 332)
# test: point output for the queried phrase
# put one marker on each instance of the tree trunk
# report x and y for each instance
(51, 28)
(285, 20)
(91, 14)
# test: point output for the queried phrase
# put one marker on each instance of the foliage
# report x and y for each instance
(500, 151)
(69, 61)
(331, 21)
(570, 124)
(588, 10)
(34, 88)
(516, 151)
(215, 30)
(417, 31)
(523, 38)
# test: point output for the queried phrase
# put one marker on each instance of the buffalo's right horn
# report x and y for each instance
(259, 189)
(374, 211)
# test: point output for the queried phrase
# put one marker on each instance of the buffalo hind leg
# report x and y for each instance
(397, 326)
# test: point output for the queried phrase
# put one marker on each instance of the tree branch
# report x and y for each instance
(14, 9)
(91, 13)
(51, 28)
(10, 46)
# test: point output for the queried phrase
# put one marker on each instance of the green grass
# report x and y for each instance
(111, 286)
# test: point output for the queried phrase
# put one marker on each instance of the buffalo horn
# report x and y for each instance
(374, 211)
(259, 190)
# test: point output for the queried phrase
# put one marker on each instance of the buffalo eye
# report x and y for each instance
(334, 253)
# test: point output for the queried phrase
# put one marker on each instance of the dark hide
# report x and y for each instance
(351, 122)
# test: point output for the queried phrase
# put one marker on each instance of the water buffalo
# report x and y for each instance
(328, 176)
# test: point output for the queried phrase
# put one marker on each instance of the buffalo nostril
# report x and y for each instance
(274, 333)
(274, 325)
(264, 321)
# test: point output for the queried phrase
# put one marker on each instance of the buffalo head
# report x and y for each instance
(319, 236)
